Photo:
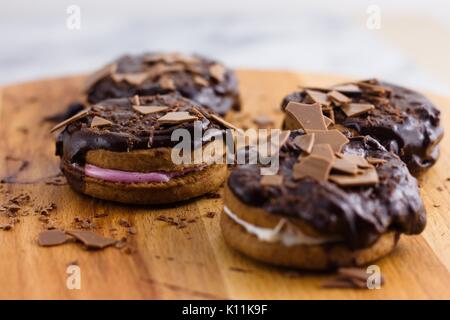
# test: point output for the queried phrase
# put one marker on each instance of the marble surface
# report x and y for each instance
(323, 37)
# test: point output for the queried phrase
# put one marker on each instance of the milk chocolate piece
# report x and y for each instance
(344, 165)
(312, 166)
(55, 237)
(72, 119)
(332, 137)
(307, 116)
(91, 240)
(167, 83)
(368, 177)
(347, 88)
(131, 78)
(355, 109)
(324, 151)
(338, 97)
(150, 109)
(217, 71)
(176, 117)
(100, 122)
(305, 142)
(318, 97)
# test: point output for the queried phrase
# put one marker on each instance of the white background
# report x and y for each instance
(411, 48)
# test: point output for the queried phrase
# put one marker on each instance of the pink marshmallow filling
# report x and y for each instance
(134, 177)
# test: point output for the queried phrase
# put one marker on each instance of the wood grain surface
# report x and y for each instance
(180, 263)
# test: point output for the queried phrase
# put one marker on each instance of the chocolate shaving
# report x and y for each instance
(272, 181)
(150, 109)
(306, 116)
(91, 240)
(100, 122)
(354, 109)
(76, 117)
(176, 117)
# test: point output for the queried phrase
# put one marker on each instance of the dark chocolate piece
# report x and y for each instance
(359, 215)
(200, 79)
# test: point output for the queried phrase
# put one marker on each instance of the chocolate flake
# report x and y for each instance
(217, 71)
(347, 88)
(66, 122)
(328, 121)
(100, 122)
(375, 161)
(176, 117)
(132, 78)
(354, 109)
(306, 116)
(368, 177)
(318, 97)
(338, 97)
(334, 138)
(305, 142)
(345, 165)
(50, 238)
(167, 83)
(323, 150)
(272, 180)
(315, 167)
(150, 109)
(201, 81)
(91, 240)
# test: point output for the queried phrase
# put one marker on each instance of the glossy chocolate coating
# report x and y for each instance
(219, 96)
(130, 130)
(407, 123)
(358, 215)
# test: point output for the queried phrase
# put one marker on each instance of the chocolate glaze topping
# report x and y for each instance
(403, 121)
(358, 215)
(191, 76)
(130, 130)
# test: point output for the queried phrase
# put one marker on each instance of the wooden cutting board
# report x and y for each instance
(170, 262)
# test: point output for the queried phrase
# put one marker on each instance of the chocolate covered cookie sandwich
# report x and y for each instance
(203, 80)
(403, 121)
(123, 150)
(335, 201)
